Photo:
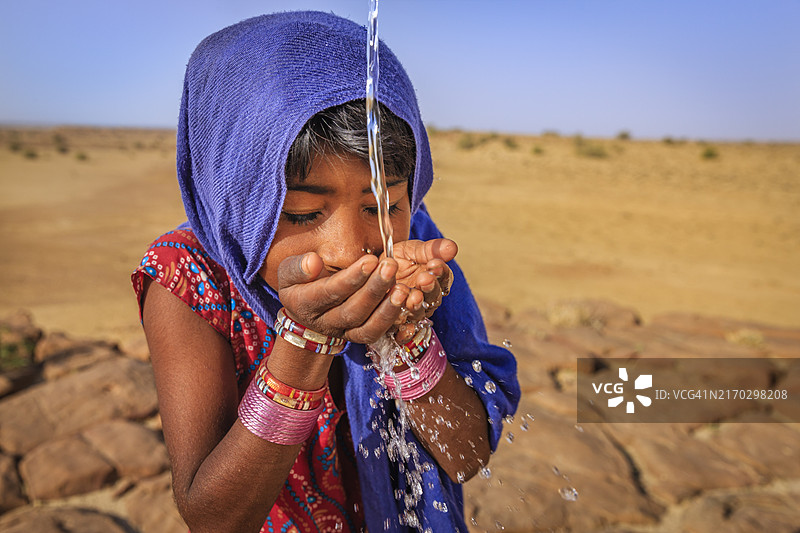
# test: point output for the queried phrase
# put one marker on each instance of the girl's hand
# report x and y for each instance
(422, 268)
(359, 303)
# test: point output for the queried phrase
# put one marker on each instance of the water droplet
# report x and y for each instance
(498, 525)
(556, 471)
(524, 426)
(440, 400)
(509, 419)
(485, 472)
(398, 494)
(476, 366)
(460, 477)
(530, 417)
(507, 343)
(473, 521)
(338, 526)
(510, 437)
(364, 451)
(373, 403)
(579, 428)
(468, 380)
(414, 372)
(443, 507)
(569, 494)
(490, 387)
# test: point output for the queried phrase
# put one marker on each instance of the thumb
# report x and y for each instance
(298, 269)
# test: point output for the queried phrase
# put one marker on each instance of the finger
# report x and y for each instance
(362, 303)
(414, 305)
(299, 269)
(421, 252)
(382, 319)
(308, 301)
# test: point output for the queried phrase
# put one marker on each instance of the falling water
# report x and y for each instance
(378, 182)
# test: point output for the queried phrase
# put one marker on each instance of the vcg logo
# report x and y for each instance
(644, 381)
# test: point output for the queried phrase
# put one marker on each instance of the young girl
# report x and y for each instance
(258, 310)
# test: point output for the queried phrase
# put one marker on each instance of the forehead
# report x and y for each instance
(328, 172)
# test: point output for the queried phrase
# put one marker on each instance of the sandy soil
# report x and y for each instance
(651, 225)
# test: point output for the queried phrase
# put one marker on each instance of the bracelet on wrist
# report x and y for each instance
(274, 422)
(302, 337)
(417, 380)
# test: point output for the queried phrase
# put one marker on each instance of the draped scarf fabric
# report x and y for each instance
(248, 91)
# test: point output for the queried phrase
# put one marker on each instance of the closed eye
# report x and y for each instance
(301, 219)
(393, 209)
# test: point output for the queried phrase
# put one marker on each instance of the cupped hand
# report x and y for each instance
(422, 268)
(359, 303)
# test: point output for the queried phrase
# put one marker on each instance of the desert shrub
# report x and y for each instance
(15, 145)
(537, 150)
(510, 143)
(624, 135)
(467, 142)
(709, 153)
(81, 156)
(550, 133)
(587, 149)
(668, 140)
(30, 153)
(139, 145)
(60, 143)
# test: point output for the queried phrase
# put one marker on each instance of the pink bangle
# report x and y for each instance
(417, 381)
(273, 422)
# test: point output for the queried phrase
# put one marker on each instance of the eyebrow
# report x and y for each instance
(322, 189)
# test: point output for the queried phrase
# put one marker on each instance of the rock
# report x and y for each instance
(10, 485)
(17, 379)
(135, 451)
(597, 314)
(151, 507)
(19, 328)
(136, 347)
(773, 450)
(61, 520)
(59, 345)
(557, 457)
(673, 465)
(754, 512)
(64, 467)
(80, 357)
(116, 388)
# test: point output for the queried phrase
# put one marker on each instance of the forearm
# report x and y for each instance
(241, 477)
(452, 424)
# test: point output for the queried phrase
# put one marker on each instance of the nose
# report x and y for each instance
(346, 239)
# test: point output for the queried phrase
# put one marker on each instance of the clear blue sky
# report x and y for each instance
(702, 69)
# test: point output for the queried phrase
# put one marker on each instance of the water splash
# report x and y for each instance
(378, 181)
(569, 494)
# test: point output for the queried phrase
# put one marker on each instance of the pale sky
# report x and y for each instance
(700, 69)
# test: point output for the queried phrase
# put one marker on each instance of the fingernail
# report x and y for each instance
(387, 271)
(304, 264)
(397, 297)
(367, 267)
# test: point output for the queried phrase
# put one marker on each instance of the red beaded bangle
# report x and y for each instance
(274, 384)
(303, 332)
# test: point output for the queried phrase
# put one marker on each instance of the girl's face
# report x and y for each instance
(333, 212)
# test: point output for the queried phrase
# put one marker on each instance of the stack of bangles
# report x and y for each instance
(426, 361)
(302, 337)
(277, 412)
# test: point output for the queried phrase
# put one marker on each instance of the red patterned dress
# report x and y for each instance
(317, 495)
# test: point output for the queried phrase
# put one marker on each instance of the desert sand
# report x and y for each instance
(649, 224)
(693, 246)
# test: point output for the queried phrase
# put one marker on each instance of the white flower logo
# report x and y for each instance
(644, 381)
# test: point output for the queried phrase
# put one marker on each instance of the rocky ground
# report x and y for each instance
(81, 448)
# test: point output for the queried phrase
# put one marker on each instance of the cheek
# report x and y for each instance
(284, 244)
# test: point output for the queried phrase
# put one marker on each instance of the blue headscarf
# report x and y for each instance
(248, 91)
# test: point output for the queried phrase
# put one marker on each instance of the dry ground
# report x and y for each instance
(652, 224)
